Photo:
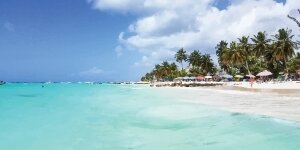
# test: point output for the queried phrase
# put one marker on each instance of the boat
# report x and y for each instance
(2, 82)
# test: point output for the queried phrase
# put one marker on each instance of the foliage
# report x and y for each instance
(195, 59)
(220, 49)
(181, 57)
(199, 65)
(244, 56)
(294, 63)
(165, 71)
(260, 53)
(283, 46)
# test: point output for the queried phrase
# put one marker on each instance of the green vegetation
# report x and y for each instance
(276, 55)
(244, 56)
(198, 65)
(181, 56)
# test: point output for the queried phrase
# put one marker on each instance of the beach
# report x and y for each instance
(289, 85)
(269, 102)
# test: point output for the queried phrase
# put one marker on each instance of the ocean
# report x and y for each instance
(36, 116)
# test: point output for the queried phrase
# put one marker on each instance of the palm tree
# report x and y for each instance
(261, 46)
(294, 63)
(283, 46)
(244, 49)
(157, 71)
(261, 43)
(220, 49)
(233, 55)
(147, 77)
(165, 69)
(181, 56)
(207, 64)
(195, 59)
(173, 66)
(173, 71)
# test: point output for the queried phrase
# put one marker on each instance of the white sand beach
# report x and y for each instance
(281, 104)
(268, 85)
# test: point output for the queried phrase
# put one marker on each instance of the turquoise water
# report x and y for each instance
(118, 117)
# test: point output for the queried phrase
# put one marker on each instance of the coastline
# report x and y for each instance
(275, 103)
(292, 85)
(289, 85)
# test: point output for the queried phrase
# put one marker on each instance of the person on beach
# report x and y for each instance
(251, 82)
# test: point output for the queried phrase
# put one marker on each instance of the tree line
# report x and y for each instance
(246, 55)
(252, 55)
(198, 64)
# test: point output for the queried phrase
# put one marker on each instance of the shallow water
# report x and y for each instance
(118, 117)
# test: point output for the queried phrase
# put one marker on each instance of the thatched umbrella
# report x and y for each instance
(250, 76)
(264, 73)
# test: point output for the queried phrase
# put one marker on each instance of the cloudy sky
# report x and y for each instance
(115, 40)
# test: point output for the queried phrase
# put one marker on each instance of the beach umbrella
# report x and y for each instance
(200, 78)
(264, 73)
(227, 76)
(208, 77)
(185, 78)
(250, 75)
(192, 78)
(238, 76)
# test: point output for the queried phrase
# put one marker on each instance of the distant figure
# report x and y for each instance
(286, 77)
(42, 86)
(251, 82)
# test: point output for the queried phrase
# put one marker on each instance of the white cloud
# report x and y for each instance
(164, 26)
(9, 26)
(92, 72)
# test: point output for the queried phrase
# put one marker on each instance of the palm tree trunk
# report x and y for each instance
(181, 66)
(285, 66)
(247, 67)
(261, 59)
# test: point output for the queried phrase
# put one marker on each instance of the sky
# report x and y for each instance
(119, 40)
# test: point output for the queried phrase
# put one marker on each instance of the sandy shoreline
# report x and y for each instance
(293, 85)
(281, 104)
